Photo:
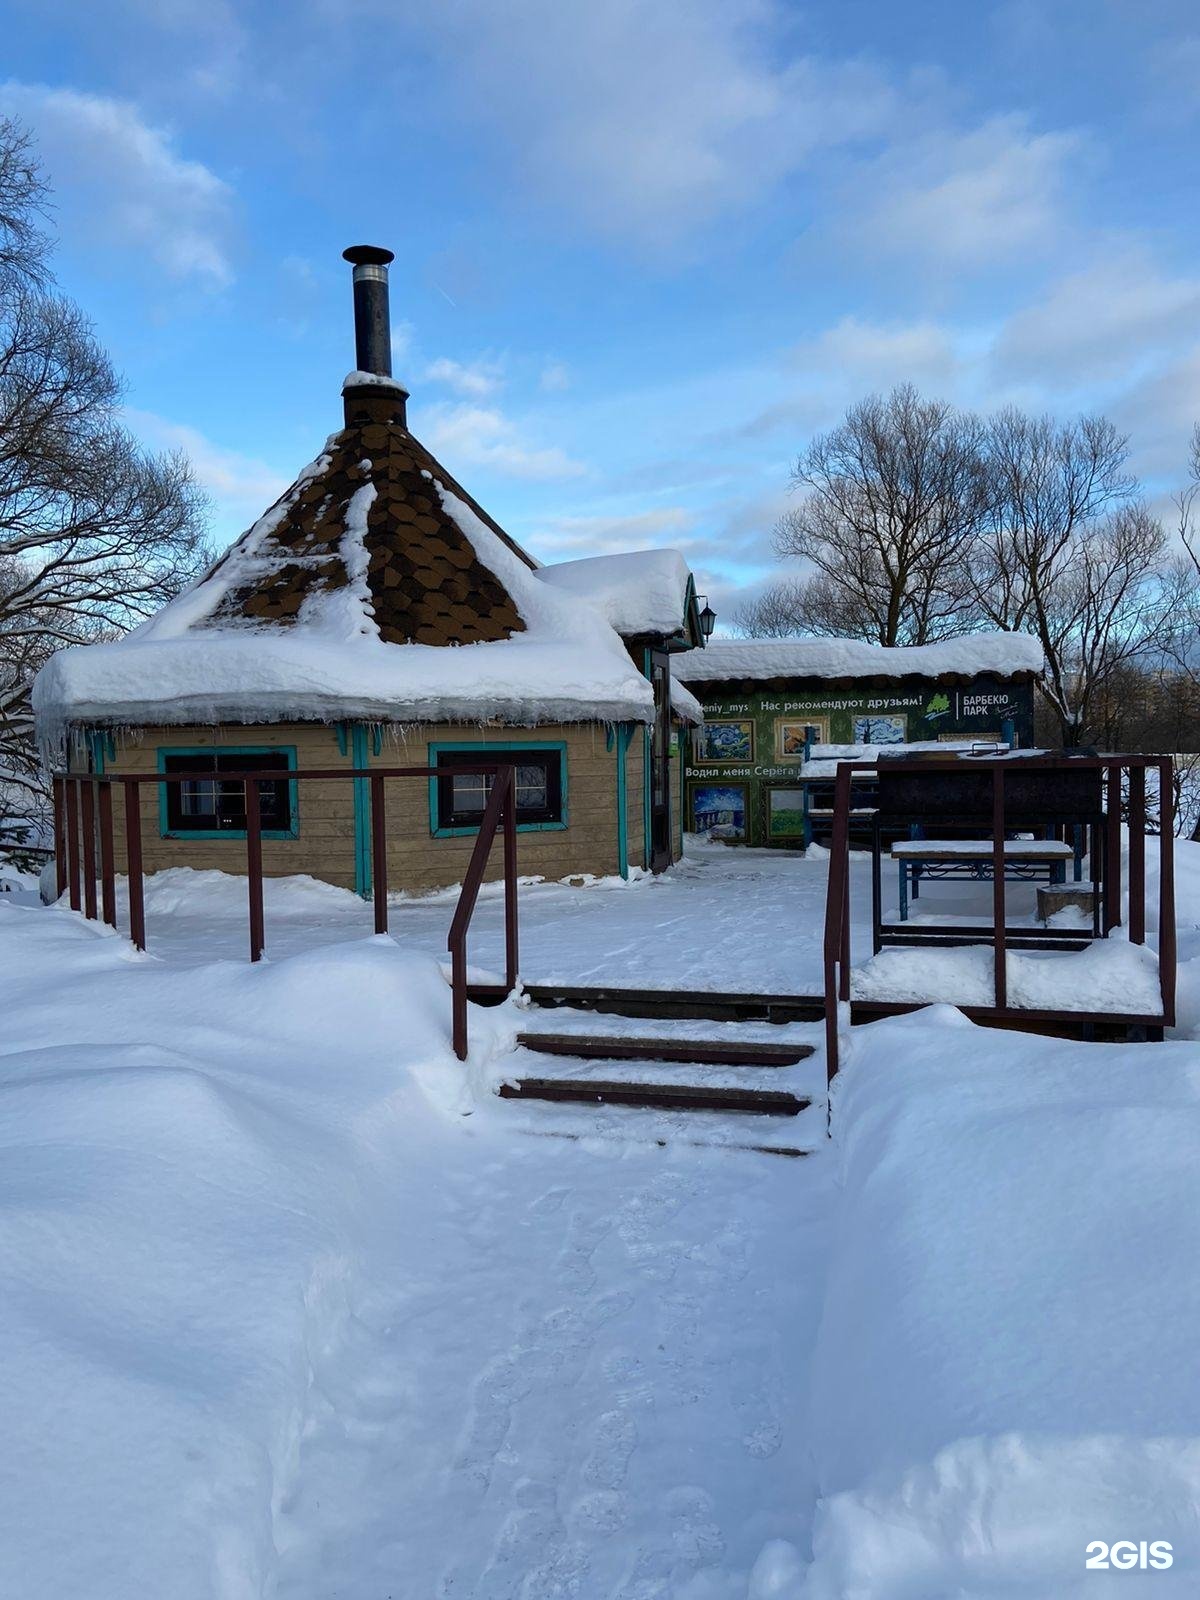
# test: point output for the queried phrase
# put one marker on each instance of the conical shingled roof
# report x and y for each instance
(425, 584)
(342, 602)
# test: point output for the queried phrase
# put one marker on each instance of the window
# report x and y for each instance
(211, 808)
(458, 799)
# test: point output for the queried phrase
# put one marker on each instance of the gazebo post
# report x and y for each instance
(254, 869)
(999, 951)
(87, 796)
(72, 809)
(1137, 853)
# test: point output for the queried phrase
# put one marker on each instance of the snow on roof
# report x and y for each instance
(684, 703)
(638, 591)
(850, 658)
(211, 656)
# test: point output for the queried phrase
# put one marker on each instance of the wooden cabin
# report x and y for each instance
(377, 615)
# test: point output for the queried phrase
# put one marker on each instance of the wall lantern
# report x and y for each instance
(708, 618)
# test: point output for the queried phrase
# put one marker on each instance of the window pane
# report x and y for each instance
(198, 797)
(470, 791)
(533, 787)
(203, 804)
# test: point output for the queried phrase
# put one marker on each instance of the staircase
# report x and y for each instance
(660, 1080)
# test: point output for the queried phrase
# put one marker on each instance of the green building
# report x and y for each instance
(780, 713)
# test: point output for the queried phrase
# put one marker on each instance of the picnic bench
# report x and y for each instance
(1028, 859)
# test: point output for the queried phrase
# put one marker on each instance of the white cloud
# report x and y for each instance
(403, 337)
(555, 378)
(121, 184)
(476, 379)
(964, 200)
(650, 117)
(215, 39)
(881, 354)
(570, 536)
(482, 436)
(1100, 321)
(241, 487)
(1159, 413)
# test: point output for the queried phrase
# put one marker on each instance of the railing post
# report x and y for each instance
(87, 796)
(73, 843)
(254, 869)
(60, 838)
(133, 859)
(1112, 852)
(1166, 890)
(511, 953)
(1137, 854)
(379, 885)
(108, 881)
(835, 946)
(1000, 956)
(458, 999)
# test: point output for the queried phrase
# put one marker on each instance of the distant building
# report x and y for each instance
(778, 713)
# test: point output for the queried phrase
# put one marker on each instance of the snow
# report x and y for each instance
(981, 848)
(372, 380)
(849, 658)
(294, 1306)
(684, 703)
(1006, 1366)
(1109, 975)
(178, 668)
(290, 1309)
(638, 591)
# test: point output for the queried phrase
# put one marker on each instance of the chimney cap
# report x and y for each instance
(368, 255)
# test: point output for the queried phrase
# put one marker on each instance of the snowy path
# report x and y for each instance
(612, 1411)
(749, 921)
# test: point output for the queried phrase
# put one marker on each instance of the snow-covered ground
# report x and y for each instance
(292, 1306)
(724, 919)
(1006, 1369)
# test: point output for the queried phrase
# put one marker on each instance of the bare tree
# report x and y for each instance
(94, 533)
(895, 495)
(812, 605)
(1069, 555)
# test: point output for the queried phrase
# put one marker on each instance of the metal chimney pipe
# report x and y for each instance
(372, 321)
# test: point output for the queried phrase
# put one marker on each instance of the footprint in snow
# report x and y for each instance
(614, 1439)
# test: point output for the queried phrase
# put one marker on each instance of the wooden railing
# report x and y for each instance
(836, 949)
(83, 826)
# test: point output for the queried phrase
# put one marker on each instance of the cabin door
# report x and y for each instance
(660, 763)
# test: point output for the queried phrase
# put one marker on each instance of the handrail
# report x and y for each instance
(500, 809)
(83, 809)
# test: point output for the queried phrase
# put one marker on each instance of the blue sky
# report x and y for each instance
(644, 247)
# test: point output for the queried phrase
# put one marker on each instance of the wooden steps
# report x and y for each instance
(660, 1096)
(601, 1047)
(675, 1088)
(698, 1005)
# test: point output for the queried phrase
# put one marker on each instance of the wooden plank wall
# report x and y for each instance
(417, 861)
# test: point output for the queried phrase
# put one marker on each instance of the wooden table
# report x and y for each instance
(1030, 859)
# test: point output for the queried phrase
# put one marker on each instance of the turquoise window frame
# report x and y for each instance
(486, 751)
(288, 750)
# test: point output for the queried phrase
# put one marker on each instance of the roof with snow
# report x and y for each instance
(376, 589)
(641, 592)
(770, 659)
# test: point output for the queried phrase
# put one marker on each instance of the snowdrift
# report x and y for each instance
(1006, 1367)
(179, 1233)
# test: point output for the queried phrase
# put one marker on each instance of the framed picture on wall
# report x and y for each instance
(891, 729)
(785, 812)
(727, 741)
(719, 810)
(789, 735)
